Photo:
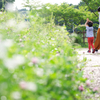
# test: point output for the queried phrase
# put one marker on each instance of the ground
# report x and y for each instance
(92, 69)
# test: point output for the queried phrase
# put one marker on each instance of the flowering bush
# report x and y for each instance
(37, 61)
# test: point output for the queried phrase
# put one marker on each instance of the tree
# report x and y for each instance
(92, 5)
(69, 14)
(3, 2)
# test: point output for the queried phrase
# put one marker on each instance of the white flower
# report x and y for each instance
(20, 40)
(31, 86)
(3, 51)
(33, 49)
(3, 47)
(21, 26)
(52, 38)
(3, 98)
(30, 64)
(23, 85)
(8, 43)
(11, 23)
(19, 59)
(0, 12)
(39, 72)
(56, 49)
(10, 63)
(16, 95)
(14, 62)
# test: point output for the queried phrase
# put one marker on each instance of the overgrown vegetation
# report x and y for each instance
(37, 56)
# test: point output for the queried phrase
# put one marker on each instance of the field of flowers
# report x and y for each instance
(37, 61)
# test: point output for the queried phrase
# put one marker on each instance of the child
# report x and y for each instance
(89, 35)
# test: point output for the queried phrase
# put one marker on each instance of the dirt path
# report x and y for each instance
(92, 69)
(93, 60)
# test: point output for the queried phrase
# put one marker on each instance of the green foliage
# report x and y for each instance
(67, 15)
(92, 6)
(37, 60)
(76, 40)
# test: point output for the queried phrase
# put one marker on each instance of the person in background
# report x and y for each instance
(97, 41)
(89, 35)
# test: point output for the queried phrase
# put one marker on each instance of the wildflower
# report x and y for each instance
(18, 34)
(39, 71)
(34, 60)
(20, 40)
(31, 86)
(93, 70)
(3, 45)
(22, 45)
(11, 23)
(8, 43)
(16, 95)
(88, 83)
(28, 86)
(83, 52)
(3, 98)
(86, 76)
(23, 85)
(21, 26)
(24, 36)
(14, 62)
(95, 89)
(56, 49)
(30, 64)
(81, 88)
(19, 59)
(57, 54)
(0, 12)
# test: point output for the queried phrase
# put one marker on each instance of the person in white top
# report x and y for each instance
(89, 35)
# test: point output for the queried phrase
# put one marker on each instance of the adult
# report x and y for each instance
(97, 41)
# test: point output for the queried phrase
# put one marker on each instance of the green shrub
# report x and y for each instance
(37, 61)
